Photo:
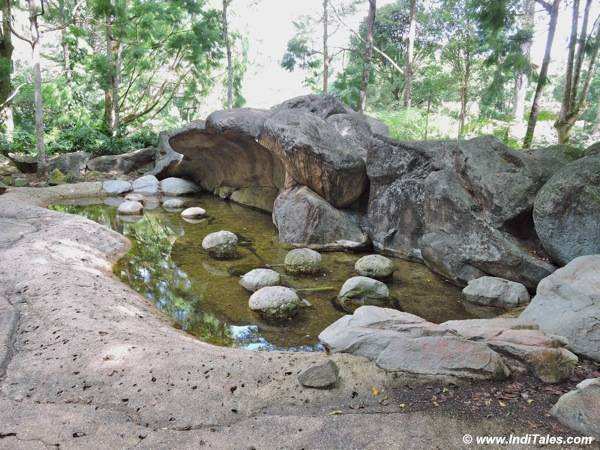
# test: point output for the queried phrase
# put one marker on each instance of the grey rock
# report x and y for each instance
(222, 244)
(360, 291)
(260, 278)
(579, 409)
(134, 197)
(322, 106)
(7, 167)
(566, 211)
(116, 187)
(275, 302)
(254, 196)
(147, 185)
(173, 203)
(593, 150)
(224, 153)
(400, 342)
(24, 163)
(303, 261)
(177, 186)
(567, 304)
(472, 349)
(464, 207)
(316, 155)
(303, 218)
(71, 164)
(493, 291)
(320, 376)
(374, 266)
(130, 208)
(195, 212)
(124, 163)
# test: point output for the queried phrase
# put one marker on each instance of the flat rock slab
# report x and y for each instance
(401, 342)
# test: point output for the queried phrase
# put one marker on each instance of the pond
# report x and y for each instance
(167, 265)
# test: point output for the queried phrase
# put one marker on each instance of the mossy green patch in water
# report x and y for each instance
(167, 265)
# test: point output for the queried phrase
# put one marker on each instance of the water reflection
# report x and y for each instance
(168, 267)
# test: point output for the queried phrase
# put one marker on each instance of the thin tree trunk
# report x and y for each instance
(6, 65)
(408, 70)
(66, 53)
(36, 43)
(228, 52)
(325, 47)
(572, 103)
(368, 56)
(111, 93)
(464, 94)
(522, 78)
(543, 77)
(596, 129)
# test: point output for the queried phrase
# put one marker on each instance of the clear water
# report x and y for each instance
(168, 266)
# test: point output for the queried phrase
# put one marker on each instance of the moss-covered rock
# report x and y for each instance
(56, 177)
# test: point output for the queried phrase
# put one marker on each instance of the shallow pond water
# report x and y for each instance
(168, 266)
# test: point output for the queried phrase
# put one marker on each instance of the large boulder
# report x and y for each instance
(24, 163)
(125, 162)
(316, 155)
(579, 409)
(305, 219)
(593, 150)
(493, 291)
(466, 349)
(462, 207)
(223, 153)
(568, 304)
(399, 342)
(275, 302)
(567, 209)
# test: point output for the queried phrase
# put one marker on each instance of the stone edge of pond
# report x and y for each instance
(85, 359)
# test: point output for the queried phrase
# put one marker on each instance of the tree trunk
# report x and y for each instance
(111, 93)
(522, 79)
(36, 43)
(464, 94)
(229, 58)
(574, 99)
(543, 78)
(408, 70)
(325, 47)
(6, 51)
(66, 53)
(368, 56)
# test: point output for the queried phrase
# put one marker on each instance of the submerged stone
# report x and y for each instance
(222, 244)
(374, 266)
(275, 302)
(303, 261)
(360, 291)
(130, 207)
(260, 278)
